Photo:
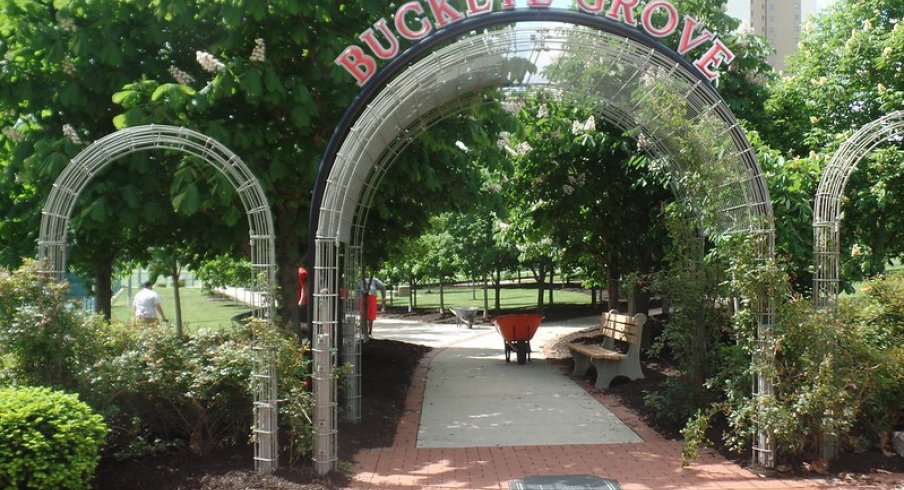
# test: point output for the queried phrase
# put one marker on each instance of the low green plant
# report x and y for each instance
(223, 270)
(48, 439)
(44, 338)
(841, 376)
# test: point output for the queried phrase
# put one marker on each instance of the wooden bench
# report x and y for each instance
(609, 362)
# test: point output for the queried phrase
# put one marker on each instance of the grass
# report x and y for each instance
(897, 267)
(510, 297)
(198, 309)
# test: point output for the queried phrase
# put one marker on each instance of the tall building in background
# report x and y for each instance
(779, 22)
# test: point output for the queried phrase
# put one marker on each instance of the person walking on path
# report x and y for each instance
(147, 306)
(368, 293)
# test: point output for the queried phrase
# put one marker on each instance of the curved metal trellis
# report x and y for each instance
(444, 79)
(82, 169)
(827, 205)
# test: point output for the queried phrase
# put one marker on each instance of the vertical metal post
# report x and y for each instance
(266, 427)
(352, 339)
(325, 322)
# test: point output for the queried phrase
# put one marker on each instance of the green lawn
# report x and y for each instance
(897, 267)
(198, 309)
(510, 297)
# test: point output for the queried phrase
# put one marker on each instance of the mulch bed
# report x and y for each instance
(388, 367)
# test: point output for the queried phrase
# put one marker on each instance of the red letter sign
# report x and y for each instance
(625, 6)
(443, 13)
(716, 55)
(370, 38)
(538, 3)
(670, 25)
(687, 42)
(403, 28)
(356, 62)
(476, 8)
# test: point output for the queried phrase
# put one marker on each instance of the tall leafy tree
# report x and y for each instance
(62, 64)
(847, 73)
(585, 190)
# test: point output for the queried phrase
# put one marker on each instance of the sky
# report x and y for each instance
(741, 8)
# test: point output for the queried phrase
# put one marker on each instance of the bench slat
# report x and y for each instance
(596, 352)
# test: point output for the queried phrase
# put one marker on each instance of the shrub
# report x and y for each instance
(161, 389)
(48, 439)
(44, 339)
(223, 271)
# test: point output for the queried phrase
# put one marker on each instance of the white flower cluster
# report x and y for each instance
(503, 143)
(542, 112)
(856, 250)
(512, 106)
(573, 181)
(69, 132)
(8, 56)
(180, 76)
(259, 53)
(13, 134)
(208, 62)
(588, 126)
(69, 67)
(67, 24)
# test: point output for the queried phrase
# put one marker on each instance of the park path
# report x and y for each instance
(651, 462)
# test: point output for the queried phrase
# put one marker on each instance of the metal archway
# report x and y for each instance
(82, 169)
(827, 205)
(438, 77)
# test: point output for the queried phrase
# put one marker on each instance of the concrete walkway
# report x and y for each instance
(473, 421)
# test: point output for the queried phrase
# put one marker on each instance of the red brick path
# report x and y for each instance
(653, 464)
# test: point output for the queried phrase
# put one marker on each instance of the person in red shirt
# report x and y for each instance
(302, 284)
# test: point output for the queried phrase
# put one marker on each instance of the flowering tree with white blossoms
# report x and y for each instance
(580, 193)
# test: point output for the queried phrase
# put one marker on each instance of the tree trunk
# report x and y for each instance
(442, 297)
(288, 260)
(103, 286)
(612, 285)
(552, 283)
(410, 294)
(640, 298)
(498, 290)
(592, 296)
(177, 299)
(541, 286)
(486, 298)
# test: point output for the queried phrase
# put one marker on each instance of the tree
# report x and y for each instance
(583, 188)
(62, 65)
(847, 73)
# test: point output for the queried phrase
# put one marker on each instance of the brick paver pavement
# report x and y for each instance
(652, 464)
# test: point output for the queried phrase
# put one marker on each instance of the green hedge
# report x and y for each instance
(48, 439)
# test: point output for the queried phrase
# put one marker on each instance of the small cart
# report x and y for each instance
(516, 331)
(465, 314)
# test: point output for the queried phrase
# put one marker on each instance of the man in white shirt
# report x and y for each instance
(147, 305)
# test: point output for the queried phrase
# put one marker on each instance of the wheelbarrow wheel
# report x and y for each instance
(508, 352)
(522, 352)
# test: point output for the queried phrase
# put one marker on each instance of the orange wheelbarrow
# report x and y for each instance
(517, 331)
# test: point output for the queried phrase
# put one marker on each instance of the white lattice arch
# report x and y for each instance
(82, 169)
(827, 207)
(441, 76)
